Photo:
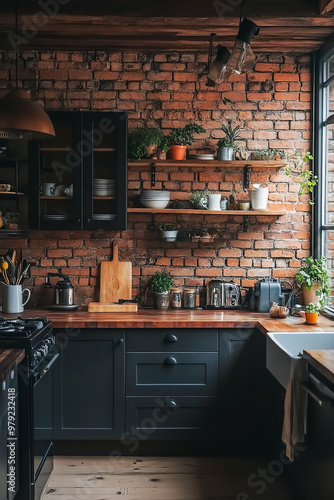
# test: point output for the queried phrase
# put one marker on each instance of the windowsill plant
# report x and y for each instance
(314, 279)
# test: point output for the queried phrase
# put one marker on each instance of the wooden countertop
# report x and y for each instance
(151, 318)
(322, 360)
(9, 359)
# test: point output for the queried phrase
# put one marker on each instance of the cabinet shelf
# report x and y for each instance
(104, 197)
(56, 198)
(10, 194)
(55, 150)
(103, 150)
(263, 164)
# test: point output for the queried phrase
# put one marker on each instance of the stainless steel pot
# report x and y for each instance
(64, 293)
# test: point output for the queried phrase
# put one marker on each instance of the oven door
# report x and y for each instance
(43, 424)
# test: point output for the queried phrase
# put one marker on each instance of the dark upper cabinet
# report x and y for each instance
(89, 385)
(78, 180)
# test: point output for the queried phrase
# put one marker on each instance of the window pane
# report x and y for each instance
(330, 175)
(329, 252)
(330, 68)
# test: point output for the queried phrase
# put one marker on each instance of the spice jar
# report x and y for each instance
(189, 298)
(175, 298)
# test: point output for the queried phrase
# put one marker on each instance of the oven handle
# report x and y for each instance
(321, 402)
(46, 368)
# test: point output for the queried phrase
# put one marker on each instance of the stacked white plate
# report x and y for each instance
(154, 199)
(204, 156)
(104, 187)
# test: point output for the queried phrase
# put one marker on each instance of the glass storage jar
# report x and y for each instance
(189, 298)
(175, 298)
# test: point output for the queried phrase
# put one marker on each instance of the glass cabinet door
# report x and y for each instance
(105, 177)
(57, 203)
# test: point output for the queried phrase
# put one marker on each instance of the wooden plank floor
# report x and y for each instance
(152, 478)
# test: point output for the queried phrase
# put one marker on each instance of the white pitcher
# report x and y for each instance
(259, 196)
(214, 201)
(12, 299)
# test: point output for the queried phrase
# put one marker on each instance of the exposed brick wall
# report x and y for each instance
(272, 104)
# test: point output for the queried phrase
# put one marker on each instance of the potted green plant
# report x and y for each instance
(144, 142)
(180, 138)
(312, 313)
(314, 279)
(200, 199)
(298, 169)
(161, 284)
(163, 148)
(226, 146)
(168, 232)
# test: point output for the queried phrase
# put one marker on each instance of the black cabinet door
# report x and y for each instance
(57, 162)
(162, 374)
(104, 140)
(89, 385)
(78, 179)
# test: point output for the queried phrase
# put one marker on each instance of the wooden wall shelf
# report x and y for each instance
(205, 212)
(265, 164)
(244, 213)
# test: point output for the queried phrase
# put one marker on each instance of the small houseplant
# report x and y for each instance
(161, 284)
(226, 146)
(200, 199)
(311, 313)
(144, 142)
(180, 138)
(314, 279)
(298, 169)
(168, 232)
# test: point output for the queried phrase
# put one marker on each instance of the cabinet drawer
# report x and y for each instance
(168, 340)
(162, 374)
(169, 418)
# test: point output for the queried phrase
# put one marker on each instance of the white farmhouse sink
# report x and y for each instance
(283, 351)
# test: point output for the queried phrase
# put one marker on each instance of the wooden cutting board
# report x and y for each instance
(115, 279)
(101, 307)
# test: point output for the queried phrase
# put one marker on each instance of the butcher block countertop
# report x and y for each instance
(322, 360)
(152, 318)
(9, 359)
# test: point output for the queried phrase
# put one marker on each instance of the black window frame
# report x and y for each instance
(321, 83)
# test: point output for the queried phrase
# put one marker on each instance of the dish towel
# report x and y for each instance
(295, 408)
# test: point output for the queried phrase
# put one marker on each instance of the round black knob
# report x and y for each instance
(170, 338)
(171, 404)
(121, 341)
(170, 361)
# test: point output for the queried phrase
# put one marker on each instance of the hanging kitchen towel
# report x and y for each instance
(295, 407)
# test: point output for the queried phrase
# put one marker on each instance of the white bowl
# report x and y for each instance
(154, 203)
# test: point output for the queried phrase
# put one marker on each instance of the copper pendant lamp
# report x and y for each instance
(20, 117)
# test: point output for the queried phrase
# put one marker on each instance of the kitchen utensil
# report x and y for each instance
(48, 189)
(223, 295)
(115, 279)
(63, 292)
(266, 291)
(214, 201)
(12, 298)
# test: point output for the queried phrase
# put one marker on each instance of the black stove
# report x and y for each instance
(35, 395)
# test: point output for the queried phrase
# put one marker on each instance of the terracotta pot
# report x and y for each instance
(311, 318)
(309, 295)
(177, 152)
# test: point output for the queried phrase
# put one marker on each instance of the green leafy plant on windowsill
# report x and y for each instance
(312, 308)
(315, 272)
(298, 169)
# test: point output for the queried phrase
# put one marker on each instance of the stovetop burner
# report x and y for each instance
(18, 328)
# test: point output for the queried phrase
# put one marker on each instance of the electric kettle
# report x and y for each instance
(63, 292)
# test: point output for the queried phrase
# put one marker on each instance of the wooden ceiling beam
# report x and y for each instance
(326, 6)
